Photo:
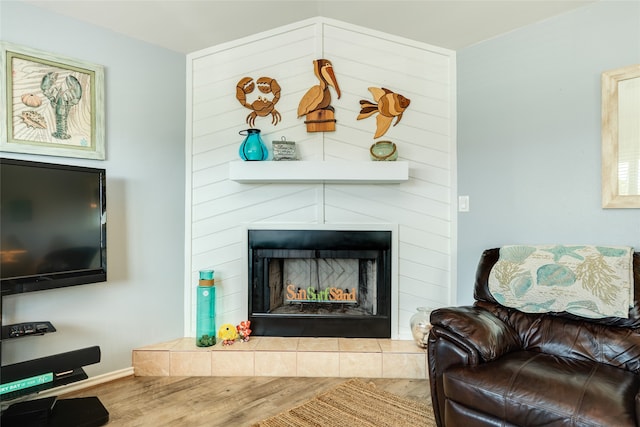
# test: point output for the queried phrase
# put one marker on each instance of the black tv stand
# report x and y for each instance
(33, 376)
(53, 412)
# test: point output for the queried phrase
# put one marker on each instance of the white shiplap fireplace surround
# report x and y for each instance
(334, 185)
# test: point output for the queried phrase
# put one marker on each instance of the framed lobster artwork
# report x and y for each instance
(54, 105)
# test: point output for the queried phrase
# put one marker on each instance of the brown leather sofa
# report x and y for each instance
(495, 366)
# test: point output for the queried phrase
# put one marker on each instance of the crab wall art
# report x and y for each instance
(262, 106)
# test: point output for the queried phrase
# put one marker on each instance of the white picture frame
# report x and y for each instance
(50, 104)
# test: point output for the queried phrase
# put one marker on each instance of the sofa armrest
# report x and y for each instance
(463, 336)
(477, 331)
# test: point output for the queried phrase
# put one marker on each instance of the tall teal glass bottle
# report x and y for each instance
(206, 310)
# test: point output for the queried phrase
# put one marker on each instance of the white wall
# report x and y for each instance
(141, 303)
(422, 207)
(529, 134)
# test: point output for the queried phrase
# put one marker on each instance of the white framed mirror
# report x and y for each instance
(621, 137)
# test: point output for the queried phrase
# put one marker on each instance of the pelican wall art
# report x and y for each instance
(315, 104)
(387, 104)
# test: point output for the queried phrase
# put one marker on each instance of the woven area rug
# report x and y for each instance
(355, 403)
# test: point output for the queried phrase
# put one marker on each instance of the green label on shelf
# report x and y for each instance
(26, 383)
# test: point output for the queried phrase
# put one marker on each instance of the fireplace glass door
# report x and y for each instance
(320, 283)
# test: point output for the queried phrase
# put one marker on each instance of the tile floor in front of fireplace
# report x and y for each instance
(287, 357)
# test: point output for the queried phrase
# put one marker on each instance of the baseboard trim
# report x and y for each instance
(90, 382)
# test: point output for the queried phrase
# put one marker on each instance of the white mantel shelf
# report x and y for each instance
(337, 172)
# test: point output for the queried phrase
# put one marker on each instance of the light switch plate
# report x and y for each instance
(463, 203)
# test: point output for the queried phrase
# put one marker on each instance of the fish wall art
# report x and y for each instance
(387, 104)
(316, 103)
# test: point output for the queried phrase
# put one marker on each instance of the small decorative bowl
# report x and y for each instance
(384, 150)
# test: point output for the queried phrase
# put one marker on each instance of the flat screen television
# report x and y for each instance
(52, 226)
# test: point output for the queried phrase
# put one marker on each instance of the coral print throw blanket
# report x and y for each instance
(588, 281)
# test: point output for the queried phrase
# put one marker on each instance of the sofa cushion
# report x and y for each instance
(533, 389)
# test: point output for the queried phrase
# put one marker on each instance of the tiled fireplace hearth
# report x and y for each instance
(320, 304)
(287, 357)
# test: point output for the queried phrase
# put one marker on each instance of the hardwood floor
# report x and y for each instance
(219, 401)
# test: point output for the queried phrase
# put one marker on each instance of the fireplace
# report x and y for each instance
(320, 283)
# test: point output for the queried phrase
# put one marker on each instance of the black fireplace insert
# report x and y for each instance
(320, 283)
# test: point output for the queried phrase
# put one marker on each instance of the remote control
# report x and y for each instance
(24, 329)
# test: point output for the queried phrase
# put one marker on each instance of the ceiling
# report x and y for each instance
(190, 25)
